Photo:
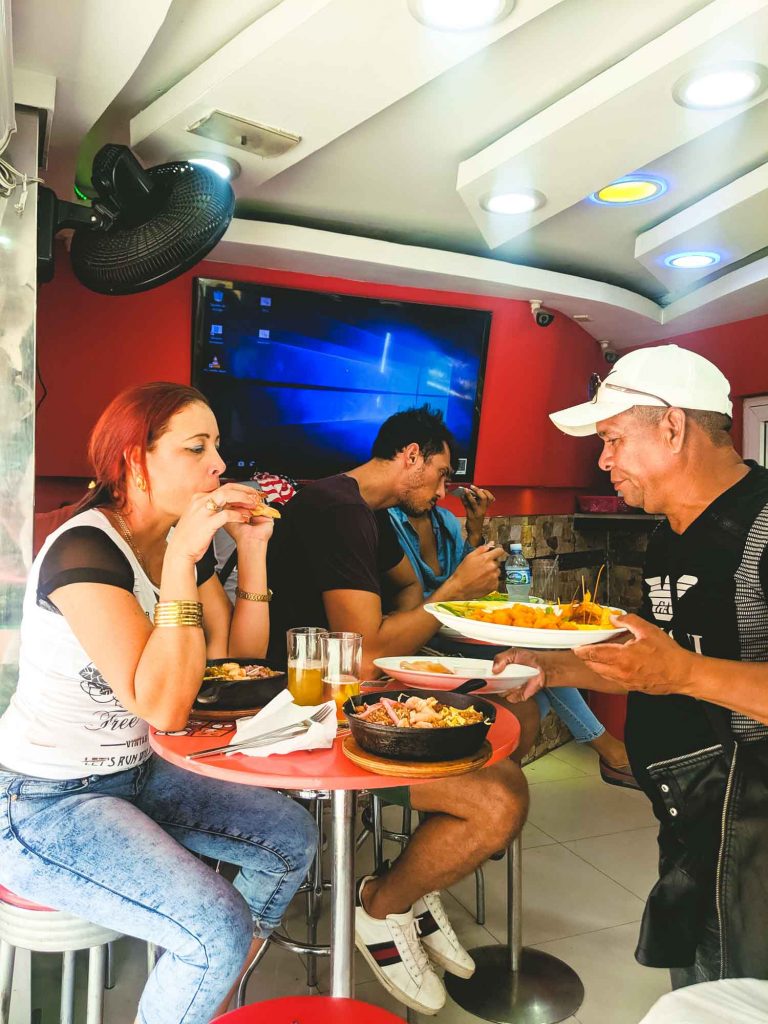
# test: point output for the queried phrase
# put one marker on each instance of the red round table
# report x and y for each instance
(309, 1010)
(309, 774)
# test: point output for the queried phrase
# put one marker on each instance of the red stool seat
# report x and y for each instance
(309, 1010)
(6, 896)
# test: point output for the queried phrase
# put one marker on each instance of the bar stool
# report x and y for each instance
(513, 984)
(309, 1010)
(27, 925)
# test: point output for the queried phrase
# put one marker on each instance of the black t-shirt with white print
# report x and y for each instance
(708, 588)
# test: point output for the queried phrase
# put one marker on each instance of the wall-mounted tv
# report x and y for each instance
(301, 381)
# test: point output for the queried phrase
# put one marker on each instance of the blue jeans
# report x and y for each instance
(571, 708)
(115, 850)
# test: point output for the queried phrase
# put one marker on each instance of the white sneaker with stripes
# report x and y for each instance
(438, 937)
(393, 951)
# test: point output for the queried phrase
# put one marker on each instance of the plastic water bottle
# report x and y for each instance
(517, 574)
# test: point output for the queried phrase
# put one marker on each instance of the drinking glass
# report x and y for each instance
(305, 664)
(342, 660)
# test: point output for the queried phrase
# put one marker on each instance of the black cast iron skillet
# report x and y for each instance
(230, 695)
(402, 744)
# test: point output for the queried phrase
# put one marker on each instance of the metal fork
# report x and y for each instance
(284, 733)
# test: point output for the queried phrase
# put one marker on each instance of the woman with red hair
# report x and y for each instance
(122, 608)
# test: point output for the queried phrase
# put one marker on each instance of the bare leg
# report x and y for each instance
(471, 817)
(612, 750)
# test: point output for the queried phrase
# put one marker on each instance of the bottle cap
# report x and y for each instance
(515, 547)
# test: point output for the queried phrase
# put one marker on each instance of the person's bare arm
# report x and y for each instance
(404, 632)
(404, 586)
(651, 661)
(154, 672)
(556, 668)
(476, 501)
(243, 633)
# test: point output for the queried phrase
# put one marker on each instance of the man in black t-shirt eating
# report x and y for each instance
(663, 415)
(333, 557)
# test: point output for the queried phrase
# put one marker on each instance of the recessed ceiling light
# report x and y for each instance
(721, 85)
(460, 15)
(630, 190)
(222, 165)
(511, 203)
(692, 260)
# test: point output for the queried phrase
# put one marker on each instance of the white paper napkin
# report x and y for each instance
(281, 711)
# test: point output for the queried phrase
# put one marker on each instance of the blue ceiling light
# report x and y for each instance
(631, 190)
(692, 260)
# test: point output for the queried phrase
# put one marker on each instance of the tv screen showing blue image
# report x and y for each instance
(301, 381)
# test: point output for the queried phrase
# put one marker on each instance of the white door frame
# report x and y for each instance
(756, 428)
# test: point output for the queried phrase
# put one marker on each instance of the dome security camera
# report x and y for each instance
(608, 353)
(542, 317)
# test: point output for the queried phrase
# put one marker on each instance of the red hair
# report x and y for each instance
(134, 419)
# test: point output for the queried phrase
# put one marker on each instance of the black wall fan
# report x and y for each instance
(144, 228)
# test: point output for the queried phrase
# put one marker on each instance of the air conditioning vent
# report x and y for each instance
(249, 136)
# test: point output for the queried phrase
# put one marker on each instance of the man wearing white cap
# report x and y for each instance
(695, 734)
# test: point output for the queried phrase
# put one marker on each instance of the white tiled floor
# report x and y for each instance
(588, 864)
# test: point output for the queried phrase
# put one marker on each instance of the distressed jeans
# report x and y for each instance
(118, 850)
(571, 708)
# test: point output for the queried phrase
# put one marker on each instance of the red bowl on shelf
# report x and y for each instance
(601, 503)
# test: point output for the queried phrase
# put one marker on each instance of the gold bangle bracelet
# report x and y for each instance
(247, 595)
(180, 620)
(178, 613)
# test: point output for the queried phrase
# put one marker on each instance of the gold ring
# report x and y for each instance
(212, 506)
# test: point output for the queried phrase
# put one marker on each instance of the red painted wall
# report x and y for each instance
(91, 346)
(740, 350)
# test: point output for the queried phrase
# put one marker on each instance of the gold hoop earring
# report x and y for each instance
(140, 482)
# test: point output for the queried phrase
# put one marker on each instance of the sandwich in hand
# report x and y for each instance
(265, 510)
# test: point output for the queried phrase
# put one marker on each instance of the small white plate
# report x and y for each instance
(517, 636)
(462, 669)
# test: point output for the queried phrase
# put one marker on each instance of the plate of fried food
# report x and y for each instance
(554, 626)
(439, 673)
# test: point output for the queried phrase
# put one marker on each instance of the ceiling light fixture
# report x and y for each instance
(630, 190)
(460, 15)
(692, 260)
(510, 204)
(224, 166)
(721, 85)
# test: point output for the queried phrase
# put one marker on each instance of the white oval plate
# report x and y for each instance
(462, 669)
(517, 636)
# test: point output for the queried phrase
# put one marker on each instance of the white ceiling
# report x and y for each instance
(404, 128)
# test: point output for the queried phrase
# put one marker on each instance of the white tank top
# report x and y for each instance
(64, 721)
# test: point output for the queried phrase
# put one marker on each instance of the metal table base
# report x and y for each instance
(342, 945)
(513, 985)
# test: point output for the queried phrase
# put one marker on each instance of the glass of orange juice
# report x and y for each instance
(342, 660)
(305, 664)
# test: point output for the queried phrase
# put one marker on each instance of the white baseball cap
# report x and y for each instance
(666, 375)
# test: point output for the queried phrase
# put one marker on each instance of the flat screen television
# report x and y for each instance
(301, 381)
